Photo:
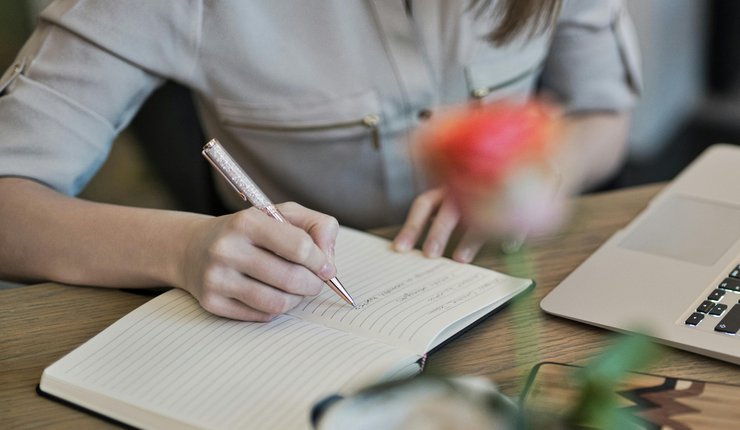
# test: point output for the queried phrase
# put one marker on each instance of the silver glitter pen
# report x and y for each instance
(249, 191)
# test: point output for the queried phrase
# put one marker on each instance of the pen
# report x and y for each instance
(249, 191)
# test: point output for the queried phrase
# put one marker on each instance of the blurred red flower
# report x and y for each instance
(496, 162)
(479, 146)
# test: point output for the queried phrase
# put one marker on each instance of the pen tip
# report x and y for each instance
(349, 300)
(339, 289)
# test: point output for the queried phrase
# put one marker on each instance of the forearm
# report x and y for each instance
(48, 236)
(595, 147)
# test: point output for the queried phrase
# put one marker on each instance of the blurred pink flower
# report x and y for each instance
(495, 161)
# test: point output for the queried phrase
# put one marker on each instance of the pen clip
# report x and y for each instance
(234, 175)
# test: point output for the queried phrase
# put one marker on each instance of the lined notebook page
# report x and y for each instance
(172, 357)
(404, 299)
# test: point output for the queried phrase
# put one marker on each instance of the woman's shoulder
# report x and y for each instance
(127, 28)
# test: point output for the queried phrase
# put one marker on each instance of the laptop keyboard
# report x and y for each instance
(713, 309)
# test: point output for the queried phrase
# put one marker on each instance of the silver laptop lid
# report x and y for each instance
(652, 275)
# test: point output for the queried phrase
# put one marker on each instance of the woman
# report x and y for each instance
(315, 99)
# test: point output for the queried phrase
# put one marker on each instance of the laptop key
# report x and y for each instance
(718, 309)
(695, 319)
(731, 322)
(735, 272)
(705, 306)
(730, 284)
(716, 295)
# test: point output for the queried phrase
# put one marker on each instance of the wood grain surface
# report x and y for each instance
(41, 323)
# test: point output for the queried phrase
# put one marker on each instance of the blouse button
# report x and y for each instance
(479, 93)
(371, 120)
(424, 114)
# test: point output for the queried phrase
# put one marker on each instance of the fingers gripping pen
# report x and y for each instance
(249, 191)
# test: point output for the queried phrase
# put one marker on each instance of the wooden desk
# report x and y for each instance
(40, 324)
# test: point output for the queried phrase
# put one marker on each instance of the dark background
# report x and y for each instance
(716, 117)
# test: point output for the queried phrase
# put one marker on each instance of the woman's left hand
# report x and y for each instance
(529, 202)
(437, 209)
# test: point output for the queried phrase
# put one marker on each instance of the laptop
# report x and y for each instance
(674, 272)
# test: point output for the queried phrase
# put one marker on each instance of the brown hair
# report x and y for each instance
(516, 16)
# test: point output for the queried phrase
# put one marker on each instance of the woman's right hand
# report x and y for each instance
(249, 266)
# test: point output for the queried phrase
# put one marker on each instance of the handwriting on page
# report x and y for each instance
(184, 362)
(401, 296)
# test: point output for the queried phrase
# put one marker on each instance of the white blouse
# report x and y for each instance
(316, 99)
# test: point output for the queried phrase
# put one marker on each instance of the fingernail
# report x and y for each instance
(512, 246)
(464, 255)
(402, 244)
(433, 249)
(327, 271)
(330, 255)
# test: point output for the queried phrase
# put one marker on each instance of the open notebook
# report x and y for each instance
(171, 364)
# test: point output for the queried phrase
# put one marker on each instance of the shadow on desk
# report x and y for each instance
(6, 285)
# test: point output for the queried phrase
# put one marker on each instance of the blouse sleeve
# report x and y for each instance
(594, 62)
(78, 81)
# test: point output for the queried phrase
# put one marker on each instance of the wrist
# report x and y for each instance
(183, 254)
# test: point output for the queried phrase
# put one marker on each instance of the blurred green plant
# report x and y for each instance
(597, 405)
(439, 401)
(518, 262)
